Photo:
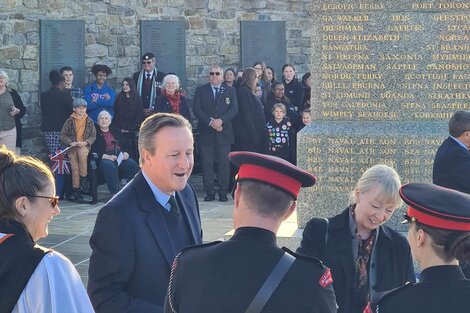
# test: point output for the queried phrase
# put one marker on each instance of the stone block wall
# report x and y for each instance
(112, 38)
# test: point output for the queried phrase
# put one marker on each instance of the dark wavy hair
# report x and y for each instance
(133, 94)
(101, 68)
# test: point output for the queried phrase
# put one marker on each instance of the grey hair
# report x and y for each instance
(459, 123)
(107, 113)
(167, 78)
(5, 74)
(383, 176)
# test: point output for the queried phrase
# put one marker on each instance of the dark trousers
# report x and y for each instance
(113, 173)
(210, 152)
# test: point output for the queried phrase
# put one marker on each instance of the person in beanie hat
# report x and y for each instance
(78, 132)
(229, 276)
(439, 236)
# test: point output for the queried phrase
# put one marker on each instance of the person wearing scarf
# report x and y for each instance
(365, 256)
(172, 99)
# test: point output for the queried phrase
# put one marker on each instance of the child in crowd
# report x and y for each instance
(306, 117)
(79, 132)
(280, 134)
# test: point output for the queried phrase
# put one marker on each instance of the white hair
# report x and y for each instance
(104, 112)
(4, 74)
(168, 77)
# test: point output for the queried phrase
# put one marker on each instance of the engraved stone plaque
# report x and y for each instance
(167, 41)
(386, 78)
(62, 44)
(263, 41)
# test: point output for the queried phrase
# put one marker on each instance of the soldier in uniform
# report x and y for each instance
(230, 276)
(439, 236)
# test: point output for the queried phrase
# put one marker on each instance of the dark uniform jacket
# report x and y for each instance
(390, 263)
(452, 166)
(225, 277)
(441, 289)
(224, 107)
(19, 257)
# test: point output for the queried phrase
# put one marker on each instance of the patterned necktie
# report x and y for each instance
(365, 250)
(148, 76)
(175, 209)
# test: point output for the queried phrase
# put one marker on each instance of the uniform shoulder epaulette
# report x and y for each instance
(305, 257)
(385, 294)
(4, 237)
(202, 245)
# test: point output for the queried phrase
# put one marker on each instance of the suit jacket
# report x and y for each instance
(224, 107)
(391, 262)
(249, 122)
(133, 251)
(56, 107)
(452, 166)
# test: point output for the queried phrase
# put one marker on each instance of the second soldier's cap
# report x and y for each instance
(271, 170)
(437, 206)
(147, 56)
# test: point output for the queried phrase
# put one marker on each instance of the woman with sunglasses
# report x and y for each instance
(32, 278)
(439, 236)
(364, 255)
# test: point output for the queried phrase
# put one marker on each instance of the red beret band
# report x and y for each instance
(272, 177)
(438, 221)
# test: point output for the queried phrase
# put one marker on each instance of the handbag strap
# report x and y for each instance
(271, 283)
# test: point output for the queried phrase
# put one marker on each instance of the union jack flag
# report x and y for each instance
(59, 162)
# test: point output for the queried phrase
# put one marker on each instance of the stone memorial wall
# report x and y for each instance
(387, 76)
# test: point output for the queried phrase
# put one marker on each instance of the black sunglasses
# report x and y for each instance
(54, 200)
(146, 62)
(214, 73)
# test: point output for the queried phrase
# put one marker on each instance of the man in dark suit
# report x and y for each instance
(452, 162)
(215, 105)
(148, 82)
(140, 230)
(228, 276)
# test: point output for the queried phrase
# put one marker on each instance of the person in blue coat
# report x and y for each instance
(99, 95)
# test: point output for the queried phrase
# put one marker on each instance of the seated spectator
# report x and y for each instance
(99, 95)
(114, 161)
(229, 77)
(129, 114)
(277, 96)
(279, 134)
(11, 109)
(364, 255)
(33, 278)
(293, 88)
(78, 132)
(172, 99)
(307, 84)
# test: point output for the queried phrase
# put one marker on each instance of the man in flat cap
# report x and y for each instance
(452, 161)
(439, 236)
(249, 273)
(148, 82)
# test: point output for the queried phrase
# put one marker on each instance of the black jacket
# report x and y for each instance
(225, 277)
(250, 122)
(99, 146)
(56, 107)
(19, 127)
(162, 104)
(206, 107)
(441, 289)
(128, 113)
(452, 166)
(295, 92)
(393, 264)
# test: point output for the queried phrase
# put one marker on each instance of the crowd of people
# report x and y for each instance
(147, 251)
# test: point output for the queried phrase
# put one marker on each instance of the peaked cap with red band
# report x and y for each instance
(437, 206)
(271, 170)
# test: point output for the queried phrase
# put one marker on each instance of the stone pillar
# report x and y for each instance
(386, 78)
